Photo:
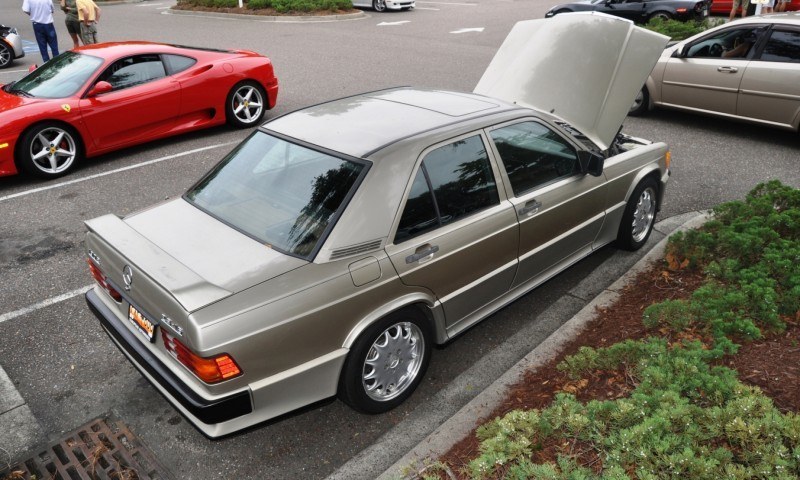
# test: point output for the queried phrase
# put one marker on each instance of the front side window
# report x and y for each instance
(135, 70)
(534, 155)
(453, 182)
(783, 46)
(736, 43)
(282, 194)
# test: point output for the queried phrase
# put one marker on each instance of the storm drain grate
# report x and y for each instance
(102, 449)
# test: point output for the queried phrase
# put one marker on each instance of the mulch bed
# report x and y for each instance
(772, 363)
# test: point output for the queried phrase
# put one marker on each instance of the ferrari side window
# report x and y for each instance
(132, 71)
(178, 63)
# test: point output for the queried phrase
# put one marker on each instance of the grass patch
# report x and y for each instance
(677, 30)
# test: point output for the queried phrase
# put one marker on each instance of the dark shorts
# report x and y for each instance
(73, 26)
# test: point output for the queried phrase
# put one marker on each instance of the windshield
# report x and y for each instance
(61, 77)
(282, 194)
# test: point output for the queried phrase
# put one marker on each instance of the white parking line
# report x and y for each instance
(451, 3)
(14, 71)
(44, 303)
(110, 172)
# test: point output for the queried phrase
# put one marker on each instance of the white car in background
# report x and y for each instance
(383, 5)
(10, 46)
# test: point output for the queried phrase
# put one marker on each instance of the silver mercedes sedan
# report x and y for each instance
(747, 70)
(329, 251)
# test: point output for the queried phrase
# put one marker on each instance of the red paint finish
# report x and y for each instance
(184, 101)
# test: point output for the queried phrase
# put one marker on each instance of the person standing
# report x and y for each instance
(89, 15)
(72, 22)
(745, 4)
(41, 13)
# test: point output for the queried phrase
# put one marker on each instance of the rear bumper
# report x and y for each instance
(208, 411)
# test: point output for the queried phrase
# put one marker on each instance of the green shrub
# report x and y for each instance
(686, 416)
(678, 30)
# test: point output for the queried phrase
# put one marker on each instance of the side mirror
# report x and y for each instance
(100, 88)
(591, 162)
(32, 68)
(678, 53)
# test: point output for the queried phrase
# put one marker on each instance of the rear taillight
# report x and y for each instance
(102, 281)
(210, 370)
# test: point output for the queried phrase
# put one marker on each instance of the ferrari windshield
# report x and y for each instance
(61, 77)
(282, 194)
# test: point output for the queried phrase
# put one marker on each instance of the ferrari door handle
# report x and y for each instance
(530, 207)
(727, 69)
(423, 253)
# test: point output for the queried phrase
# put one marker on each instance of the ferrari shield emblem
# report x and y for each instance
(66, 107)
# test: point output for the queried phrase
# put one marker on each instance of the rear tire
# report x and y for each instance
(639, 216)
(387, 362)
(245, 104)
(49, 150)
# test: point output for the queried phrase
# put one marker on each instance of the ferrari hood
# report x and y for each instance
(585, 68)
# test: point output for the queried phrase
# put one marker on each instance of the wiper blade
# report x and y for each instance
(21, 92)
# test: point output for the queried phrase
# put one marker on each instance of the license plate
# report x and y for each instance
(146, 326)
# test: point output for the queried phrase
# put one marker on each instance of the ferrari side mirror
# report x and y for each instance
(100, 88)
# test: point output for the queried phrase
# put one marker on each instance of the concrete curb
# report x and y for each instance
(20, 429)
(271, 19)
(466, 419)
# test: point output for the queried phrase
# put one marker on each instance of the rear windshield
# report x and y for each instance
(282, 194)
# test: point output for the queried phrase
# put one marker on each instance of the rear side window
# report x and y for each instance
(453, 182)
(178, 63)
(783, 46)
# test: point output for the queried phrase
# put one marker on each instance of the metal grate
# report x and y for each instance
(102, 449)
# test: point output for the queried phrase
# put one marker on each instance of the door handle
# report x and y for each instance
(423, 253)
(531, 207)
(727, 69)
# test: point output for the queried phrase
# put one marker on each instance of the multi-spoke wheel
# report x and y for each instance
(48, 150)
(639, 216)
(6, 55)
(386, 363)
(245, 104)
(379, 5)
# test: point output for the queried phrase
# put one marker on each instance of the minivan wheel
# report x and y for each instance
(379, 5)
(386, 363)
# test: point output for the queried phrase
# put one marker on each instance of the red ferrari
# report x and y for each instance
(103, 97)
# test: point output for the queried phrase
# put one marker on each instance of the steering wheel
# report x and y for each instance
(715, 50)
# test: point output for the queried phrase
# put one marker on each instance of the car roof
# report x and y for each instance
(365, 123)
(111, 50)
(790, 18)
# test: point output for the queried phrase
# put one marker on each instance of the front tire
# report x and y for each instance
(640, 104)
(379, 5)
(245, 104)
(661, 15)
(639, 216)
(386, 363)
(49, 150)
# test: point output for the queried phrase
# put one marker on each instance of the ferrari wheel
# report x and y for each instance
(49, 150)
(6, 56)
(379, 5)
(386, 363)
(245, 104)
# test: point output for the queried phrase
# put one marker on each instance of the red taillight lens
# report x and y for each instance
(101, 280)
(210, 370)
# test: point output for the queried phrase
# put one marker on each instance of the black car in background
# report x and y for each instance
(640, 11)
